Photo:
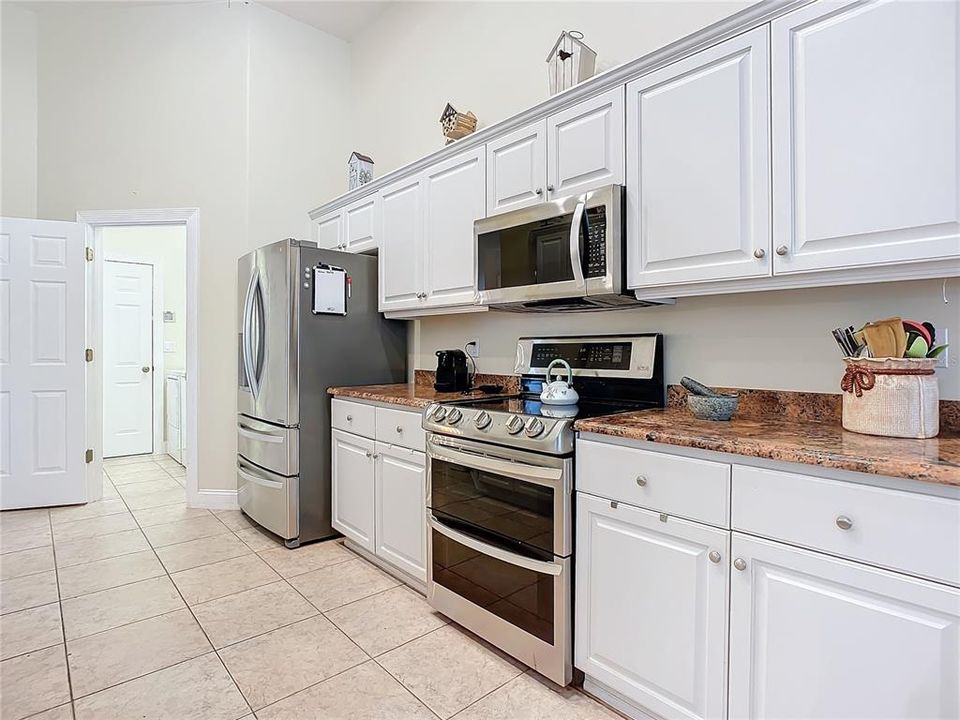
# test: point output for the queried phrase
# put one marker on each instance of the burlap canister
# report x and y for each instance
(896, 397)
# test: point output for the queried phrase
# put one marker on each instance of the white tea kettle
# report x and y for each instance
(559, 392)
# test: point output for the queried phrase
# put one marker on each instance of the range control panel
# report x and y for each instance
(594, 355)
(623, 356)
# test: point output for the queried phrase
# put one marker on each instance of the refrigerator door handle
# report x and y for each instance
(248, 364)
(259, 366)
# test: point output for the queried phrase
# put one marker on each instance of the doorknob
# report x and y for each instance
(145, 368)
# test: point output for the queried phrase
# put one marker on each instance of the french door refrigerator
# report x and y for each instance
(289, 356)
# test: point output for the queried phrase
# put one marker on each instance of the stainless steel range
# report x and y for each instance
(500, 481)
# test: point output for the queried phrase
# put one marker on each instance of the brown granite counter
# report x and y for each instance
(420, 393)
(821, 442)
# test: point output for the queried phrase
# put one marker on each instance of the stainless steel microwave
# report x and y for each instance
(566, 254)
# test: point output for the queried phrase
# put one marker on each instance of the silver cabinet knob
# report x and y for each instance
(641, 481)
(782, 250)
(740, 564)
(539, 191)
(369, 455)
(549, 188)
(399, 428)
(714, 556)
(349, 418)
(145, 368)
(759, 253)
(844, 523)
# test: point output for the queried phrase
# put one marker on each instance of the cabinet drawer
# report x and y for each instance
(353, 417)
(401, 427)
(918, 534)
(695, 489)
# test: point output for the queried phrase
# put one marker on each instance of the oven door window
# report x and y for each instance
(518, 515)
(520, 596)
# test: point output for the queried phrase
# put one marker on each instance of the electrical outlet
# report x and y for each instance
(942, 359)
(473, 347)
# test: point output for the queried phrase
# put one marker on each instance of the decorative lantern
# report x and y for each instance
(570, 62)
(361, 170)
(455, 124)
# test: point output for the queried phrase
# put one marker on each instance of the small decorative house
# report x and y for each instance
(570, 62)
(456, 125)
(361, 170)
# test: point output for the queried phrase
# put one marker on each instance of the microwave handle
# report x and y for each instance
(538, 566)
(575, 259)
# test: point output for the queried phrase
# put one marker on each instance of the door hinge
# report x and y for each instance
(88, 354)
(89, 455)
(89, 254)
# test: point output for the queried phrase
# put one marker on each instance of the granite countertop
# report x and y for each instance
(420, 393)
(791, 435)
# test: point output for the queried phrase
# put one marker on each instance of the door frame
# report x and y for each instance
(156, 350)
(91, 221)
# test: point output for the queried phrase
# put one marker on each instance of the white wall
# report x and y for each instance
(228, 109)
(165, 248)
(488, 57)
(18, 111)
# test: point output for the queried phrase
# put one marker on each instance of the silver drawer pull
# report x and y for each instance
(641, 481)
(399, 428)
(740, 564)
(844, 523)
(349, 418)
(714, 556)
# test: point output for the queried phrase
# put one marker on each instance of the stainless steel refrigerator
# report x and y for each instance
(289, 356)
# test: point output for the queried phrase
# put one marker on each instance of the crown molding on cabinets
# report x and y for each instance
(743, 21)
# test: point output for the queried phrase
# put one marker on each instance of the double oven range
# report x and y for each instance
(500, 482)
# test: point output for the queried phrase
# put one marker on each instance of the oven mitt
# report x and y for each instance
(885, 338)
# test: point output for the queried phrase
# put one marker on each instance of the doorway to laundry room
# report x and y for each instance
(144, 358)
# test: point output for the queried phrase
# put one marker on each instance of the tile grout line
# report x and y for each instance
(63, 626)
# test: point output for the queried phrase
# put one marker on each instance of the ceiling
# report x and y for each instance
(343, 19)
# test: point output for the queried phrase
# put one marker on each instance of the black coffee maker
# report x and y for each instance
(452, 373)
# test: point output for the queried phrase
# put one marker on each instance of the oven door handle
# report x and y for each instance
(537, 566)
(531, 473)
(575, 260)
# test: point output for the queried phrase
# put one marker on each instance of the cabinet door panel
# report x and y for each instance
(401, 245)
(585, 145)
(352, 480)
(327, 231)
(400, 509)
(517, 164)
(865, 130)
(814, 637)
(698, 183)
(360, 220)
(651, 608)
(453, 200)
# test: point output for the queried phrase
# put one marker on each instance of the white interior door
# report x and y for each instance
(42, 367)
(127, 358)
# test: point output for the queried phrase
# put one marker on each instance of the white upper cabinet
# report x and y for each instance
(585, 145)
(819, 638)
(327, 231)
(865, 134)
(651, 608)
(401, 245)
(453, 198)
(360, 221)
(698, 167)
(517, 168)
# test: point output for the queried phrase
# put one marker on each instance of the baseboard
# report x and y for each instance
(616, 701)
(215, 500)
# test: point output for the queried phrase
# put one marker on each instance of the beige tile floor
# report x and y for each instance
(139, 607)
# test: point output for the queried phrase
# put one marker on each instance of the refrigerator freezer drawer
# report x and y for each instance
(272, 500)
(269, 446)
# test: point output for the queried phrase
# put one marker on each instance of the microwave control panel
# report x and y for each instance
(595, 236)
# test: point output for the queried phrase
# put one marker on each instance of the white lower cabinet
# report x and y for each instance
(651, 607)
(352, 483)
(379, 488)
(816, 637)
(678, 619)
(399, 492)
